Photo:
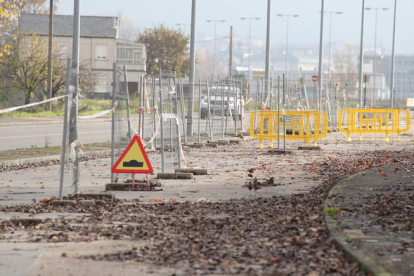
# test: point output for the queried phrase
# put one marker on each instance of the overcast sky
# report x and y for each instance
(303, 30)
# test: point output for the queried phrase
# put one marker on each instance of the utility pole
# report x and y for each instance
(248, 57)
(361, 55)
(215, 42)
(375, 46)
(231, 52)
(393, 57)
(330, 43)
(73, 129)
(267, 66)
(287, 36)
(50, 50)
(192, 70)
(321, 48)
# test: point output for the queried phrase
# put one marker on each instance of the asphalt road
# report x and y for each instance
(50, 134)
(13, 137)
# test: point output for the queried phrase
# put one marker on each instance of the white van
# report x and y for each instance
(232, 99)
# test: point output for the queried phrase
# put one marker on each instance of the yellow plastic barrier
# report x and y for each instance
(384, 121)
(300, 125)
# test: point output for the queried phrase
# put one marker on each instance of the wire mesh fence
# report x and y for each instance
(160, 114)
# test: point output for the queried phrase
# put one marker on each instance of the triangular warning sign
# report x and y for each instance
(134, 159)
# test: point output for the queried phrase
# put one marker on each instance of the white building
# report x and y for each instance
(99, 46)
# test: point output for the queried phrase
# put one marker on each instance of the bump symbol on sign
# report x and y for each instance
(133, 164)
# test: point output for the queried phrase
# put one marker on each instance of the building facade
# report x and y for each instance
(99, 47)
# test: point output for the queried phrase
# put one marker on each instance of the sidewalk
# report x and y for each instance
(371, 215)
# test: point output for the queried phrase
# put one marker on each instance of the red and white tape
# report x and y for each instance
(99, 114)
(30, 105)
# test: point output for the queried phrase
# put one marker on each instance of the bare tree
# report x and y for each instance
(127, 30)
(37, 6)
(27, 68)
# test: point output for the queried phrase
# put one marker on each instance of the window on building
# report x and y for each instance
(101, 52)
(130, 54)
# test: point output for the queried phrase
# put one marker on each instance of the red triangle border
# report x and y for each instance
(137, 139)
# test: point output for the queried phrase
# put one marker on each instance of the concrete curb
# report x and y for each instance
(366, 262)
(46, 159)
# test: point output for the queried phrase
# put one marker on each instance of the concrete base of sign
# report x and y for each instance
(175, 175)
(279, 152)
(129, 186)
(309, 148)
(153, 182)
(125, 186)
(193, 171)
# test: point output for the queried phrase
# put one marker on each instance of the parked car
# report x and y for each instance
(232, 103)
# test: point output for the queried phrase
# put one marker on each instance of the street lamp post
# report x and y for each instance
(375, 46)
(320, 66)
(393, 56)
(215, 40)
(267, 63)
(330, 41)
(287, 35)
(361, 56)
(250, 34)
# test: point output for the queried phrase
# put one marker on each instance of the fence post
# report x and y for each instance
(161, 125)
(113, 120)
(127, 103)
(65, 129)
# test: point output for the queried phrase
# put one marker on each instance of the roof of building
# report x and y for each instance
(90, 26)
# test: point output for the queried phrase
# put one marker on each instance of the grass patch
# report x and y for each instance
(331, 211)
(85, 107)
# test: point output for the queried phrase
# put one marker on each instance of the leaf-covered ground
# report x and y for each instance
(263, 236)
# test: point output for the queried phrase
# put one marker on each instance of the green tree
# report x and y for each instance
(9, 13)
(167, 49)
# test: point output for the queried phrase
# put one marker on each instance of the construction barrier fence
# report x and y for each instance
(370, 121)
(291, 125)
